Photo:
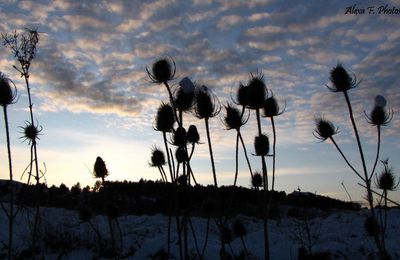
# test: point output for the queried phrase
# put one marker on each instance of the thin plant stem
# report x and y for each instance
(245, 153)
(236, 159)
(345, 158)
(380, 195)
(378, 146)
(168, 157)
(273, 153)
(10, 215)
(265, 184)
(211, 153)
(194, 236)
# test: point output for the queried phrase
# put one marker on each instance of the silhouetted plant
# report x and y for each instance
(207, 106)
(386, 182)
(239, 230)
(257, 180)
(23, 48)
(8, 96)
(100, 169)
(271, 110)
(234, 120)
(158, 160)
(379, 116)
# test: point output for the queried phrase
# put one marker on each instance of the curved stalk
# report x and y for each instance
(273, 153)
(211, 153)
(168, 157)
(377, 152)
(236, 159)
(245, 153)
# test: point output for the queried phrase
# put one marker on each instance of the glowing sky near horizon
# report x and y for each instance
(93, 98)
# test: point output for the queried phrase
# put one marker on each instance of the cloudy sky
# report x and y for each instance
(93, 98)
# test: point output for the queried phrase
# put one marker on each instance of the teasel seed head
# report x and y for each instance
(261, 145)
(233, 118)
(100, 169)
(8, 95)
(242, 95)
(179, 137)
(162, 71)
(184, 95)
(324, 129)
(181, 155)
(386, 180)
(31, 132)
(256, 91)
(271, 107)
(157, 157)
(341, 80)
(379, 116)
(207, 104)
(165, 118)
(257, 180)
(193, 135)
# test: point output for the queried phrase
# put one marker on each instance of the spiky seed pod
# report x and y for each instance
(371, 226)
(242, 95)
(233, 118)
(31, 132)
(193, 135)
(84, 214)
(181, 155)
(8, 96)
(157, 157)
(112, 211)
(386, 180)
(341, 80)
(207, 105)
(324, 129)
(179, 137)
(379, 116)
(225, 235)
(165, 118)
(261, 145)
(184, 101)
(256, 91)
(162, 71)
(271, 107)
(100, 169)
(239, 229)
(257, 180)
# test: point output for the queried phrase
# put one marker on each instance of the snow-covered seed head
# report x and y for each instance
(257, 180)
(187, 85)
(193, 135)
(157, 157)
(8, 95)
(261, 145)
(162, 71)
(379, 116)
(238, 228)
(184, 96)
(324, 129)
(165, 118)
(256, 91)
(100, 169)
(380, 101)
(341, 80)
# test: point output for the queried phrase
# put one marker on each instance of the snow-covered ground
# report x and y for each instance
(63, 234)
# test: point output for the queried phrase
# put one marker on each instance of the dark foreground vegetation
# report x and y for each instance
(149, 197)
